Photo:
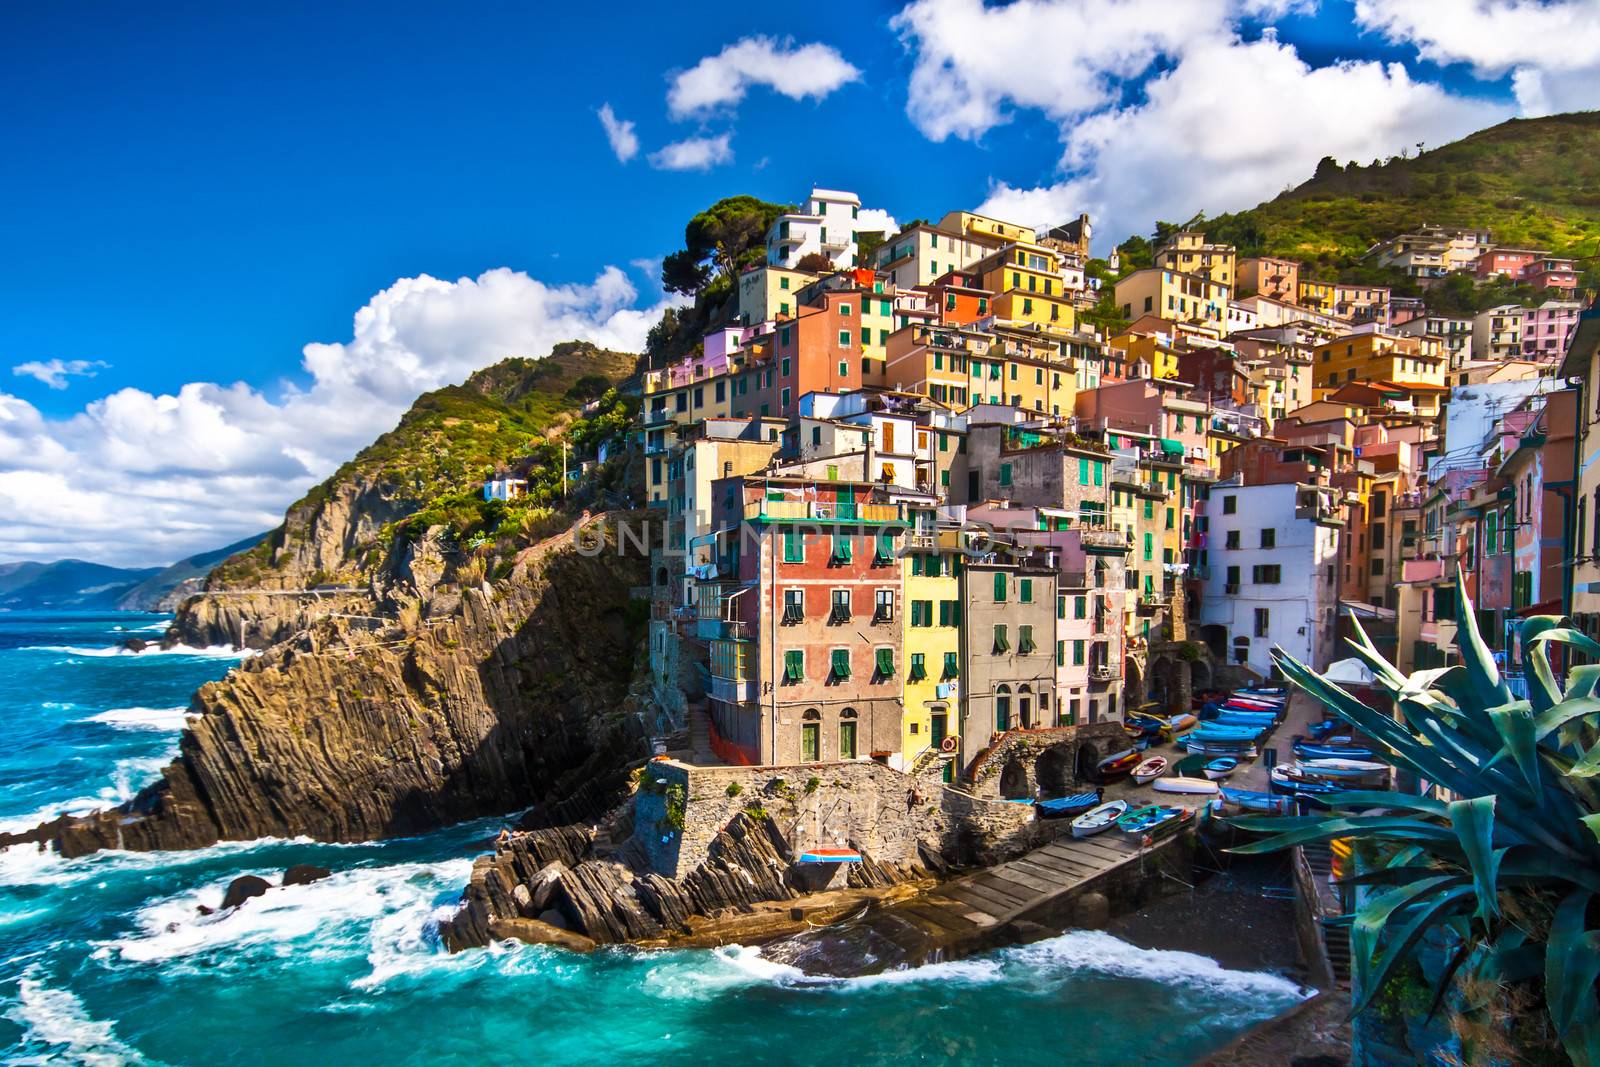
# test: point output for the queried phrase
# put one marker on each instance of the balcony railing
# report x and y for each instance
(821, 511)
(1102, 674)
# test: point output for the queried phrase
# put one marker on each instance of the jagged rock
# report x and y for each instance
(543, 883)
(523, 899)
(305, 874)
(552, 917)
(242, 889)
(537, 932)
(135, 644)
(473, 715)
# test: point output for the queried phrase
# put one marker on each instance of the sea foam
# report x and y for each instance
(143, 718)
(209, 652)
(58, 1020)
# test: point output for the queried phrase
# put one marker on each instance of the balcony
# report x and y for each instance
(734, 690)
(1201, 474)
(820, 511)
(1102, 674)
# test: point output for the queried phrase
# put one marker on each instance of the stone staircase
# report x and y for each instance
(700, 733)
(1335, 939)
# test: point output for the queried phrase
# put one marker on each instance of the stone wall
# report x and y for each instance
(860, 804)
(1024, 761)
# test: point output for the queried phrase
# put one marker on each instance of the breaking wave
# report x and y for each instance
(143, 718)
(56, 1020)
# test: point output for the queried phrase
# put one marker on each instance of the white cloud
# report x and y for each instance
(872, 219)
(1550, 49)
(722, 80)
(694, 153)
(55, 372)
(1297, 115)
(1163, 109)
(619, 132)
(142, 478)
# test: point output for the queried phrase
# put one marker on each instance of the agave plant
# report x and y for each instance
(1501, 861)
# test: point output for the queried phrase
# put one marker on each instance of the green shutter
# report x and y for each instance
(918, 669)
(794, 666)
(841, 663)
(1025, 590)
(841, 547)
(886, 662)
(1001, 643)
(999, 587)
(952, 666)
(793, 547)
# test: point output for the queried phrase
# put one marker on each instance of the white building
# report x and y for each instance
(1273, 578)
(919, 254)
(828, 226)
(1453, 334)
(504, 486)
(1497, 333)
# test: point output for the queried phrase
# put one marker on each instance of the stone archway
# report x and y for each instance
(1014, 780)
(1054, 770)
(1164, 684)
(1087, 760)
(1199, 675)
(1215, 636)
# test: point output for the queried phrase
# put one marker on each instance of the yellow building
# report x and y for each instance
(766, 292)
(1175, 296)
(1026, 281)
(1372, 356)
(982, 227)
(1151, 350)
(1188, 253)
(931, 629)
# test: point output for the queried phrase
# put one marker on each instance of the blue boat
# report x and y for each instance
(1147, 724)
(1312, 750)
(1151, 820)
(1076, 804)
(1221, 767)
(1211, 731)
(1243, 718)
(1320, 731)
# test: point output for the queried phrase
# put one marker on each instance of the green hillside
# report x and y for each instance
(1532, 182)
(429, 469)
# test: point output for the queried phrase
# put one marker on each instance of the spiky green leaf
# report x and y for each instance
(1572, 964)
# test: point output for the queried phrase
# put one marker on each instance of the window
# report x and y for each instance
(1002, 644)
(883, 605)
(794, 547)
(1230, 504)
(843, 548)
(919, 668)
(794, 666)
(952, 667)
(1233, 580)
(1005, 474)
(1149, 546)
(1231, 539)
(921, 612)
(840, 611)
(1025, 590)
(1377, 567)
(1002, 709)
(1061, 653)
(1266, 574)
(1025, 643)
(844, 310)
(1263, 619)
(794, 606)
(1077, 653)
(844, 338)
(949, 613)
(840, 663)
(1269, 538)
(999, 587)
(1080, 607)
(884, 662)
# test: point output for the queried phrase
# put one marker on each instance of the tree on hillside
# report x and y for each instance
(867, 244)
(815, 262)
(1327, 167)
(719, 242)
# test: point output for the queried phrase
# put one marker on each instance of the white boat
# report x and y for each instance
(1152, 768)
(1342, 768)
(1180, 784)
(1097, 819)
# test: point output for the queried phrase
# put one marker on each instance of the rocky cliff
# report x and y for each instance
(477, 701)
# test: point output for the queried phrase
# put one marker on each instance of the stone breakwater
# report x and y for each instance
(698, 852)
(495, 697)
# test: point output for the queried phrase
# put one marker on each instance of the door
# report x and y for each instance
(847, 740)
(888, 437)
(1025, 713)
(810, 742)
(940, 726)
(972, 487)
(847, 502)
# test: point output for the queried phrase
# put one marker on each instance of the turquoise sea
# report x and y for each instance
(106, 960)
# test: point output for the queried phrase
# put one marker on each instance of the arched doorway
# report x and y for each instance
(811, 736)
(1053, 771)
(1164, 684)
(1088, 759)
(1216, 638)
(1002, 708)
(847, 733)
(1025, 706)
(1014, 780)
(1199, 675)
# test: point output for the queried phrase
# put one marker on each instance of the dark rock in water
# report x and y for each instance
(242, 889)
(1091, 911)
(305, 874)
(205, 910)
(135, 644)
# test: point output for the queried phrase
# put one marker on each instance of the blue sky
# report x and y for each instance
(192, 193)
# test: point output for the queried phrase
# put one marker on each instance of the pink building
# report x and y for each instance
(720, 344)
(1548, 328)
(1508, 261)
(1548, 273)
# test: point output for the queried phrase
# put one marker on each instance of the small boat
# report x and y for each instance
(1243, 718)
(1341, 768)
(1287, 780)
(1239, 749)
(1253, 801)
(1263, 690)
(1150, 820)
(1152, 768)
(1211, 731)
(1148, 725)
(1179, 725)
(1063, 807)
(1256, 701)
(1323, 731)
(1116, 766)
(1193, 786)
(1313, 751)
(1097, 819)
(830, 855)
(1221, 767)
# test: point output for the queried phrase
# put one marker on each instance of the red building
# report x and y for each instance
(804, 621)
